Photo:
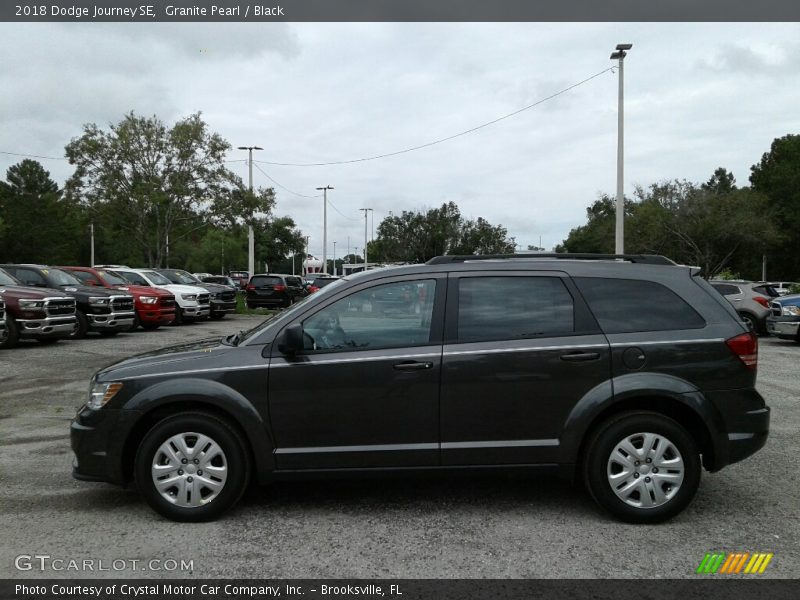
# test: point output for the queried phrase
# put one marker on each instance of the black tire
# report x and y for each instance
(750, 321)
(150, 326)
(218, 315)
(81, 326)
(604, 441)
(111, 333)
(10, 336)
(178, 317)
(136, 322)
(218, 430)
(47, 341)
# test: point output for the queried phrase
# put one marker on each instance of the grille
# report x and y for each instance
(775, 308)
(228, 296)
(60, 306)
(2, 310)
(122, 304)
(168, 301)
(202, 299)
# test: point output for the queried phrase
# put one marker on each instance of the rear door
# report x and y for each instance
(520, 350)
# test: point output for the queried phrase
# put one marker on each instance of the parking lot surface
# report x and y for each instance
(388, 528)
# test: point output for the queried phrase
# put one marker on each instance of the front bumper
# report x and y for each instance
(783, 327)
(196, 311)
(219, 306)
(149, 314)
(111, 321)
(47, 326)
(97, 438)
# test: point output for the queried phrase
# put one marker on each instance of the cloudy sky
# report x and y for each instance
(698, 96)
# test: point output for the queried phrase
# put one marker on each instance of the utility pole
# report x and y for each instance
(166, 261)
(92, 245)
(619, 236)
(325, 226)
(251, 243)
(305, 259)
(366, 212)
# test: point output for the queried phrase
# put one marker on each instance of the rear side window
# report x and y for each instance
(262, 281)
(630, 305)
(726, 289)
(293, 281)
(507, 308)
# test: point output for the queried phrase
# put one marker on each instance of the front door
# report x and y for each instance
(365, 390)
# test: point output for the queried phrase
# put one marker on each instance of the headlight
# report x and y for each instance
(189, 296)
(101, 393)
(30, 304)
(148, 299)
(791, 310)
(99, 301)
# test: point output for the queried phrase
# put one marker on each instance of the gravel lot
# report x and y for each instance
(399, 528)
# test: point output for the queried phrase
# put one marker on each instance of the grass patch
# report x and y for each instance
(241, 308)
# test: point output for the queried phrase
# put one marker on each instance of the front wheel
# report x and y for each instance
(192, 467)
(81, 326)
(9, 337)
(218, 315)
(642, 467)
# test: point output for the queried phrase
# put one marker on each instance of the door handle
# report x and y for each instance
(412, 366)
(580, 356)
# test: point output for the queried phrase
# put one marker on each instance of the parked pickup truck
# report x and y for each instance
(154, 307)
(784, 318)
(2, 319)
(103, 311)
(223, 298)
(42, 314)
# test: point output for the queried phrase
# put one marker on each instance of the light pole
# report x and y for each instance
(334, 258)
(619, 237)
(92, 257)
(251, 243)
(325, 226)
(366, 212)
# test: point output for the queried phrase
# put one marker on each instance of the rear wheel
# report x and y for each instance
(192, 467)
(642, 467)
(750, 321)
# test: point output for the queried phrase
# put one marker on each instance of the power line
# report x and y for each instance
(33, 156)
(441, 140)
(283, 187)
(333, 206)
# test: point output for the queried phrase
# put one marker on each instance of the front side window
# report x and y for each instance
(157, 278)
(134, 278)
(508, 308)
(29, 277)
(391, 315)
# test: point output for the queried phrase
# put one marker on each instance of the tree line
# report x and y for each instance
(716, 224)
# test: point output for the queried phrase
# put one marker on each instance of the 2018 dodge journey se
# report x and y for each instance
(628, 373)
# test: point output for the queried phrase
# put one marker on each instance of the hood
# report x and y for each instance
(177, 288)
(793, 300)
(189, 356)
(140, 290)
(214, 287)
(24, 291)
(88, 290)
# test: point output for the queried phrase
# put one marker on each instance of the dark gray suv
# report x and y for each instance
(628, 373)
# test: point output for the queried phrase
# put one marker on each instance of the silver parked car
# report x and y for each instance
(750, 299)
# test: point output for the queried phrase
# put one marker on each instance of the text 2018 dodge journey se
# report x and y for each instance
(628, 373)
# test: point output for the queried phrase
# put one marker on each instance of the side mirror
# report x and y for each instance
(292, 342)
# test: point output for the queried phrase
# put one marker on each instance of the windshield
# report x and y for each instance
(6, 279)
(59, 277)
(181, 277)
(156, 278)
(112, 278)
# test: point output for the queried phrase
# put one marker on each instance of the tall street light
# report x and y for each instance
(619, 237)
(325, 226)
(334, 258)
(251, 243)
(366, 212)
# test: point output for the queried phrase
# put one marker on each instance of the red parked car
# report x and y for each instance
(240, 277)
(154, 306)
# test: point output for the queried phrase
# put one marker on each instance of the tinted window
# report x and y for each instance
(766, 290)
(726, 289)
(135, 278)
(261, 281)
(293, 281)
(112, 278)
(321, 283)
(157, 278)
(29, 277)
(391, 315)
(628, 305)
(507, 308)
(7, 279)
(85, 277)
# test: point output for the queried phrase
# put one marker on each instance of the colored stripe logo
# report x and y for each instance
(734, 563)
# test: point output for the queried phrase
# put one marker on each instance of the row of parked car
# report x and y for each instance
(49, 303)
(768, 308)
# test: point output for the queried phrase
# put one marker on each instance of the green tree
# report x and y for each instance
(145, 183)
(777, 176)
(39, 224)
(419, 236)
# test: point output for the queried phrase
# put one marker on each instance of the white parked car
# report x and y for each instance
(192, 302)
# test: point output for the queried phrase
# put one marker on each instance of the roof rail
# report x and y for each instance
(646, 259)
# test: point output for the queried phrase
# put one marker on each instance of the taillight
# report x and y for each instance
(279, 288)
(745, 346)
(250, 286)
(313, 289)
(762, 300)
